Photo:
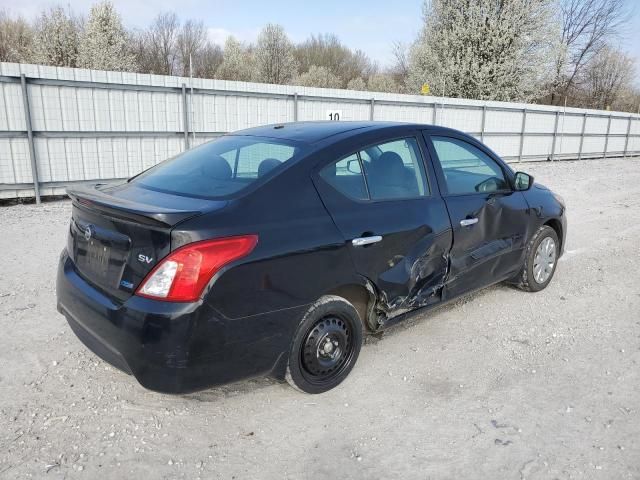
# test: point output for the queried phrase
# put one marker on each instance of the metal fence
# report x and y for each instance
(60, 126)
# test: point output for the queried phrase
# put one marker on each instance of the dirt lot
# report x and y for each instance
(502, 384)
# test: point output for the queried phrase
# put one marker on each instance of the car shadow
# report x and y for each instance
(254, 385)
(421, 315)
(231, 390)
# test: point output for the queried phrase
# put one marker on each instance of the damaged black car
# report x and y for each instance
(273, 250)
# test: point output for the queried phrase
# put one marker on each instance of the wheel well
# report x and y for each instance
(359, 297)
(557, 226)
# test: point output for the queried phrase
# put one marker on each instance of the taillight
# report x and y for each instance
(183, 274)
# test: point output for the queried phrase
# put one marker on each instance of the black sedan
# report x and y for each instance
(274, 249)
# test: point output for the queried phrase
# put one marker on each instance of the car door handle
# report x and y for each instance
(362, 241)
(468, 222)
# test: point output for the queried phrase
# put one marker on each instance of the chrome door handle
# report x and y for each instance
(468, 222)
(362, 241)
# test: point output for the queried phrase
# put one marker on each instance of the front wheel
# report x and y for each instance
(326, 345)
(541, 259)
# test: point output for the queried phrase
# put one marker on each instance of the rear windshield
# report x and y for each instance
(219, 168)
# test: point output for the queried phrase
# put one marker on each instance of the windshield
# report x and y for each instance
(219, 168)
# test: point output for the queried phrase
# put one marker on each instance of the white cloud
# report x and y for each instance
(219, 35)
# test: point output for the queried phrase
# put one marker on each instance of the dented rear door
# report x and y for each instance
(407, 260)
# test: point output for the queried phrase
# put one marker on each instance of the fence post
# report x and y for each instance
(295, 107)
(435, 114)
(185, 117)
(584, 124)
(484, 118)
(626, 140)
(371, 108)
(564, 117)
(32, 150)
(555, 134)
(523, 129)
(606, 139)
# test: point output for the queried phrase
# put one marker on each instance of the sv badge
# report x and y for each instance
(144, 259)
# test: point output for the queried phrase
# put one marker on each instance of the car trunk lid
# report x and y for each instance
(119, 233)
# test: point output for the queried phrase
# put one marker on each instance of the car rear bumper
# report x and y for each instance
(173, 347)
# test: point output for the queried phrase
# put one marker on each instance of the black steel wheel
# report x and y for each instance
(326, 345)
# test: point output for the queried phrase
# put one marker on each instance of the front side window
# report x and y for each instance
(387, 171)
(466, 168)
(219, 168)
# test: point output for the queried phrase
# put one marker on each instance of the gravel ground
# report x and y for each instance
(501, 384)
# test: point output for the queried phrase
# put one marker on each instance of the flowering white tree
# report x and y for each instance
(57, 38)
(381, 82)
(320, 77)
(237, 62)
(105, 45)
(485, 49)
(16, 39)
(275, 61)
(356, 83)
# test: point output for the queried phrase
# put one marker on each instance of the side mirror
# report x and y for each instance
(523, 181)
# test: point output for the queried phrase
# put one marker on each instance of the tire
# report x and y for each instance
(326, 345)
(529, 279)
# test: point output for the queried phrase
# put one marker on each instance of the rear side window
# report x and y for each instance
(386, 171)
(219, 168)
(346, 176)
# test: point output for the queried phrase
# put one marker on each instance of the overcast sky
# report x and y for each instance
(369, 25)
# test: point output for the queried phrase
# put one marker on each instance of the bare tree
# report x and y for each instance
(274, 56)
(608, 74)
(141, 48)
(16, 39)
(166, 47)
(628, 100)
(359, 65)
(322, 51)
(327, 51)
(57, 38)
(189, 43)
(400, 53)
(207, 61)
(587, 26)
(160, 44)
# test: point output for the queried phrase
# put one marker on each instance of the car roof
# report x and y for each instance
(312, 132)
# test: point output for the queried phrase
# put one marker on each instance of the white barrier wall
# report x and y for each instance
(73, 125)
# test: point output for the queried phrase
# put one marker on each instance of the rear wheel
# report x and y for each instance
(541, 259)
(326, 345)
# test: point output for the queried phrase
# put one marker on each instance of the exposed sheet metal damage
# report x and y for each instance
(423, 274)
(444, 268)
